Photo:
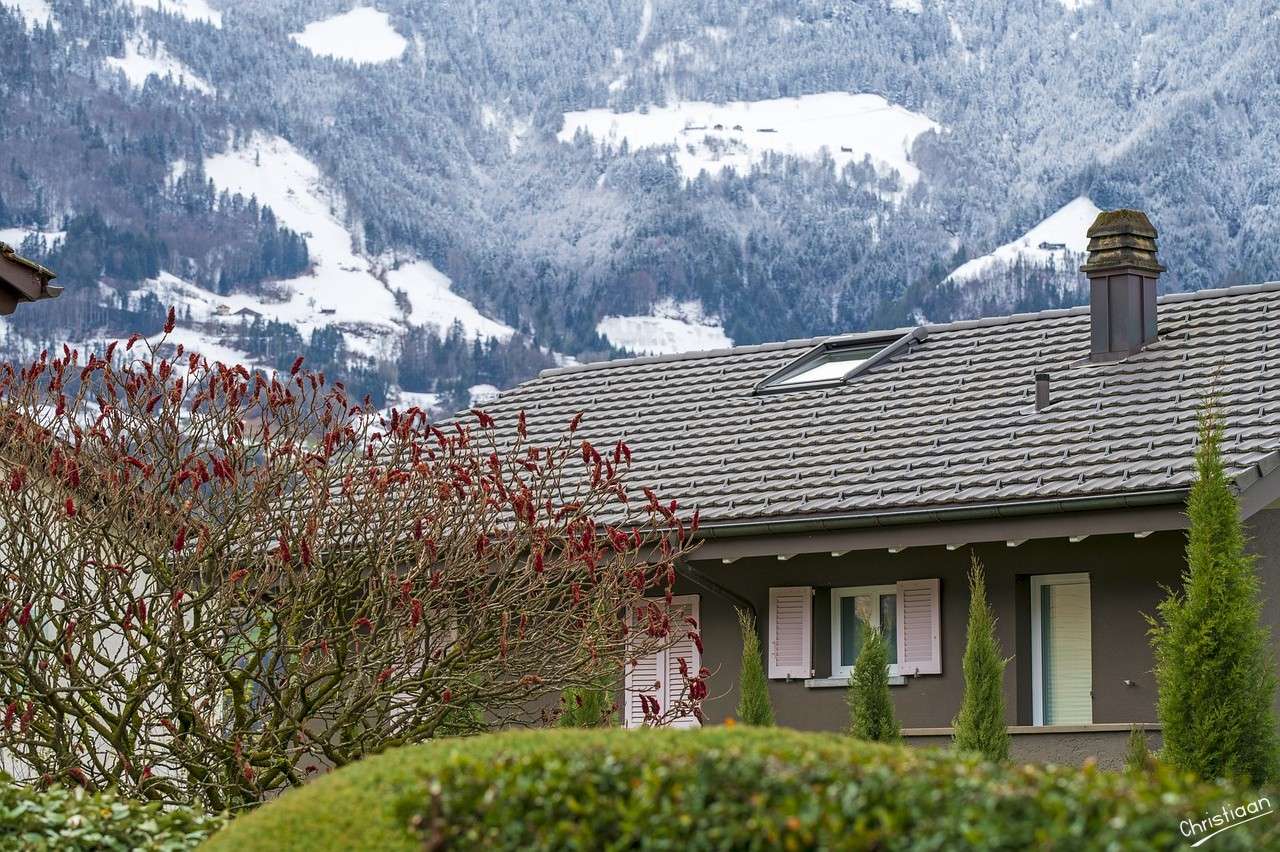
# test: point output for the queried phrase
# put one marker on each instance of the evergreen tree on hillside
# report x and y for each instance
(1214, 667)
(870, 706)
(980, 726)
(754, 707)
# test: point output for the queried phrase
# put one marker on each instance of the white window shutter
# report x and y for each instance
(919, 627)
(644, 677)
(683, 647)
(790, 632)
(658, 674)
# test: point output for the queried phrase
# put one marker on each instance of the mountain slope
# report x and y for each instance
(553, 178)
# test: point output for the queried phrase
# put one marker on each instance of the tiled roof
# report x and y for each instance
(947, 422)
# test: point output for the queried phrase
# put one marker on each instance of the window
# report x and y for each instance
(851, 610)
(1061, 650)
(835, 361)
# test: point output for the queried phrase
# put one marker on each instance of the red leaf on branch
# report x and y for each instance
(180, 540)
(170, 321)
(70, 507)
(297, 365)
(575, 422)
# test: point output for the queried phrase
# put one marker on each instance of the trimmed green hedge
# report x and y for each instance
(725, 788)
(60, 819)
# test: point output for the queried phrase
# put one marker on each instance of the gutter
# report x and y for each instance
(701, 578)
(986, 511)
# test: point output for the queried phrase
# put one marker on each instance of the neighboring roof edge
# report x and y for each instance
(10, 253)
(930, 328)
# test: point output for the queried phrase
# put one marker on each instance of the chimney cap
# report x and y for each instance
(1122, 239)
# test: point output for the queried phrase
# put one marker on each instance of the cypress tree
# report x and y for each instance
(1214, 668)
(754, 707)
(980, 725)
(1137, 758)
(870, 707)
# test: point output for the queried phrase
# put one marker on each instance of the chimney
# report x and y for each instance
(1122, 270)
(1042, 391)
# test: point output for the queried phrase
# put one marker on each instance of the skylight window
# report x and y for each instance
(834, 362)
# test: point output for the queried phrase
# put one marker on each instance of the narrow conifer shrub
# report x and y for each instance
(587, 707)
(980, 726)
(1214, 669)
(1137, 757)
(754, 707)
(870, 707)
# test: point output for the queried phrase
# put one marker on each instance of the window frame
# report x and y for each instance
(880, 347)
(838, 594)
(1038, 582)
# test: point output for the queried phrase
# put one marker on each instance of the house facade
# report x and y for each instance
(853, 478)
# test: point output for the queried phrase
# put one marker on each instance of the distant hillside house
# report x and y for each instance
(850, 478)
(22, 280)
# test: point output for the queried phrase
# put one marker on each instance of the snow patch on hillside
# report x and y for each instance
(37, 13)
(193, 10)
(671, 328)
(915, 7)
(432, 302)
(363, 35)
(1073, 5)
(16, 236)
(143, 58)
(734, 135)
(343, 287)
(1050, 243)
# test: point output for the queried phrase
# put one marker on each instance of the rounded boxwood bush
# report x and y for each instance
(76, 821)
(726, 788)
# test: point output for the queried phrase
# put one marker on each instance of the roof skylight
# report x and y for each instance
(834, 362)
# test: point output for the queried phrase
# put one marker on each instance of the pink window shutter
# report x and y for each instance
(790, 632)
(919, 627)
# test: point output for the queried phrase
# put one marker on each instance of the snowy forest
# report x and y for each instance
(426, 218)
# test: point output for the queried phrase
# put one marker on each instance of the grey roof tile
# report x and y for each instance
(948, 421)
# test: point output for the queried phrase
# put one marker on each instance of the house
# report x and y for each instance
(853, 476)
(247, 313)
(1045, 245)
(22, 280)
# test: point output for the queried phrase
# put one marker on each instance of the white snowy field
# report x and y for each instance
(432, 302)
(192, 10)
(1066, 227)
(143, 58)
(343, 287)
(670, 328)
(37, 13)
(736, 134)
(15, 236)
(363, 35)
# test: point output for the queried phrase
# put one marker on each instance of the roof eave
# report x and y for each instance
(942, 514)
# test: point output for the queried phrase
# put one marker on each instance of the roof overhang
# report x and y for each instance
(22, 280)
(1141, 512)
(1145, 511)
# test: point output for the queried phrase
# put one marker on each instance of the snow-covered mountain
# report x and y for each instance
(435, 201)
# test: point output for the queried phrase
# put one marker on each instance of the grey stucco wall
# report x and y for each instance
(1107, 748)
(1263, 530)
(1126, 576)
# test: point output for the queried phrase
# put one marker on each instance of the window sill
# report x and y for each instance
(843, 682)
